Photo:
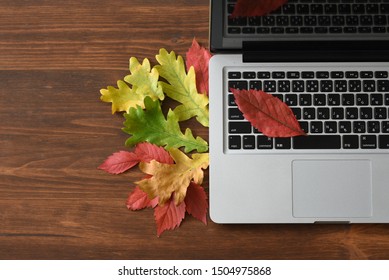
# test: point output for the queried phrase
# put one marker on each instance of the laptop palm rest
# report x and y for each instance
(332, 188)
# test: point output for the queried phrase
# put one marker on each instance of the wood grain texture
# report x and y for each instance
(54, 132)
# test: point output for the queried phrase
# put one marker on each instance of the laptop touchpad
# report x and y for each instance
(332, 188)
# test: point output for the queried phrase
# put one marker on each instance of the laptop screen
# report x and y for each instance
(301, 20)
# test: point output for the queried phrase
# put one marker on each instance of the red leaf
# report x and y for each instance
(169, 216)
(198, 57)
(119, 162)
(147, 152)
(196, 202)
(252, 8)
(267, 113)
(138, 200)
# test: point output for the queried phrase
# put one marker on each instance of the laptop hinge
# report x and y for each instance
(316, 51)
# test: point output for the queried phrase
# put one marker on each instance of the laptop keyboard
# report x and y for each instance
(339, 109)
(310, 17)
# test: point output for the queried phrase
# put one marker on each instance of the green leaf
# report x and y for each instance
(144, 79)
(150, 125)
(181, 87)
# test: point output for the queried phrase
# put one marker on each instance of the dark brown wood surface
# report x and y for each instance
(55, 56)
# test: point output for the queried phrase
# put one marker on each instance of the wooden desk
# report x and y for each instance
(54, 132)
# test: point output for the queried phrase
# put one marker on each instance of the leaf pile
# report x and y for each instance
(172, 185)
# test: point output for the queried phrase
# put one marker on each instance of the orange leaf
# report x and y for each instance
(251, 8)
(138, 200)
(267, 113)
(199, 57)
(196, 202)
(169, 216)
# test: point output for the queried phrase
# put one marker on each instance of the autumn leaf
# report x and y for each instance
(267, 113)
(147, 152)
(169, 216)
(173, 178)
(138, 200)
(122, 98)
(199, 57)
(251, 8)
(150, 125)
(144, 83)
(119, 162)
(181, 86)
(122, 161)
(196, 202)
(144, 79)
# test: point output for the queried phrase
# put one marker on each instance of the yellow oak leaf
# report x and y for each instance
(181, 86)
(123, 98)
(173, 178)
(144, 82)
(145, 79)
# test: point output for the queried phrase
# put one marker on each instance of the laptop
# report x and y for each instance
(328, 60)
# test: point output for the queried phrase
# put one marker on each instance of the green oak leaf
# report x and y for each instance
(181, 86)
(150, 125)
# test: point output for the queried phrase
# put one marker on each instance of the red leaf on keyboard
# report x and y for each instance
(252, 8)
(199, 57)
(267, 113)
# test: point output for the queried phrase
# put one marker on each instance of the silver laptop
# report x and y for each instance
(329, 61)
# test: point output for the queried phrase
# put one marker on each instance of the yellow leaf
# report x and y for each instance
(122, 98)
(144, 83)
(181, 86)
(144, 79)
(169, 178)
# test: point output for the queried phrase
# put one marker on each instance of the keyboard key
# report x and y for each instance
(340, 85)
(234, 142)
(316, 127)
(283, 86)
(337, 75)
(237, 85)
(309, 113)
(385, 127)
(380, 113)
(319, 99)
(380, 74)
(234, 75)
(256, 85)
(264, 142)
(352, 74)
(376, 99)
(239, 127)
(354, 85)
(362, 99)
(308, 74)
(326, 86)
(368, 142)
(333, 99)
(282, 143)
(344, 127)
(263, 75)
(235, 114)
(366, 113)
(348, 99)
(249, 75)
(383, 85)
(373, 127)
(317, 142)
(298, 86)
(330, 127)
(337, 113)
(231, 100)
(248, 142)
(323, 113)
(368, 85)
(312, 86)
(351, 113)
(350, 142)
(269, 86)
(383, 141)
(304, 126)
(291, 99)
(359, 127)
(305, 100)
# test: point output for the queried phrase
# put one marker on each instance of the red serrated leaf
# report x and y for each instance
(169, 216)
(196, 202)
(138, 200)
(119, 162)
(252, 8)
(267, 113)
(147, 152)
(199, 57)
